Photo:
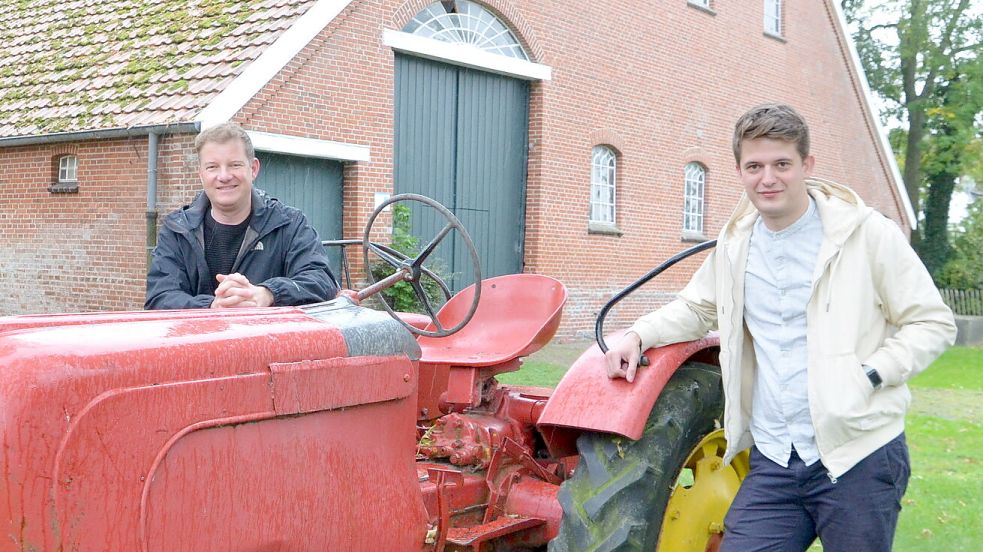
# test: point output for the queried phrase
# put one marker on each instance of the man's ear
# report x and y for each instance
(807, 164)
(255, 167)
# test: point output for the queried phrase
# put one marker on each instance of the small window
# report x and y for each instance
(602, 182)
(693, 200)
(68, 169)
(66, 174)
(773, 17)
(701, 3)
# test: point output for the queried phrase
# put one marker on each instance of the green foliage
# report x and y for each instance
(923, 58)
(401, 297)
(964, 270)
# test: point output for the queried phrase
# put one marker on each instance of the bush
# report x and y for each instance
(401, 297)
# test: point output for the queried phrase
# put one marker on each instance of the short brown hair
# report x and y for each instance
(774, 121)
(224, 133)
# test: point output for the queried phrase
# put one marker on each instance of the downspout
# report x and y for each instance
(152, 143)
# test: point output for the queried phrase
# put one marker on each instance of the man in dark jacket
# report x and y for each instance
(234, 246)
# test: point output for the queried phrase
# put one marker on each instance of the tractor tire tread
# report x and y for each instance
(616, 499)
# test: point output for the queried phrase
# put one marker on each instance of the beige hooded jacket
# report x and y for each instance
(873, 303)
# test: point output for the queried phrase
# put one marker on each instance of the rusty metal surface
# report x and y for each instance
(165, 431)
(586, 399)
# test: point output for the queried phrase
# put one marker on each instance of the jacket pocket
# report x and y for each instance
(842, 397)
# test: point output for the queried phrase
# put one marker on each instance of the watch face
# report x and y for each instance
(874, 377)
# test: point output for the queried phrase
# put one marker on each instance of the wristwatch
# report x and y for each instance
(874, 377)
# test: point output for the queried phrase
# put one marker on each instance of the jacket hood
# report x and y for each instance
(840, 208)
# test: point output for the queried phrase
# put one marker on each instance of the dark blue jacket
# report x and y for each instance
(280, 251)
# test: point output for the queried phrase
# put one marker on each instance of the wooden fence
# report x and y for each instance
(967, 302)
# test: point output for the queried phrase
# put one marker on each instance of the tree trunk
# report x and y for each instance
(934, 248)
(913, 164)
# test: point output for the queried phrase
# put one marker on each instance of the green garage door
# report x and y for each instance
(461, 138)
(311, 185)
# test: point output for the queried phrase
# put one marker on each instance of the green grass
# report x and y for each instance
(943, 508)
(954, 370)
(535, 373)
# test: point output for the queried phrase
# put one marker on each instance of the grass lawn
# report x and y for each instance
(943, 508)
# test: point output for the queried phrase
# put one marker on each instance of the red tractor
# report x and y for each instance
(331, 427)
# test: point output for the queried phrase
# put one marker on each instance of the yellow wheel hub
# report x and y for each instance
(702, 494)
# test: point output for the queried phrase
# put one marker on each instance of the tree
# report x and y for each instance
(923, 58)
(965, 269)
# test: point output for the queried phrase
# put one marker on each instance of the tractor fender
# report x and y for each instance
(587, 400)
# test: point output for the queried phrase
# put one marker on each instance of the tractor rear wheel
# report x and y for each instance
(672, 483)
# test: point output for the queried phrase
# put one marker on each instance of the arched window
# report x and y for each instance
(693, 199)
(466, 22)
(602, 183)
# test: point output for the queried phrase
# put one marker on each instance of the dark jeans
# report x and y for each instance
(784, 509)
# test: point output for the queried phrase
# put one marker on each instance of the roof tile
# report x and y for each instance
(90, 64)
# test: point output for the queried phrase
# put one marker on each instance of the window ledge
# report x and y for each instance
(64, 188)
(605, 228)
(773, 36)
(693, 237)
(701, 7)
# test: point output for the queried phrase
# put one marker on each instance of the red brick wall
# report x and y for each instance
(663, 86)
(73, 251)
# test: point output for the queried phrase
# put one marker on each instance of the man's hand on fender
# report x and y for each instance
(235, 291)
(622, 359)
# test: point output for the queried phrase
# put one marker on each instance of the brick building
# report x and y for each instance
(580, 139)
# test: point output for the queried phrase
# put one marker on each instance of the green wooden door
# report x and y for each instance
(311, 185)
(461, 138)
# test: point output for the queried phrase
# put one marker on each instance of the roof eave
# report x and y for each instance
(100, 134)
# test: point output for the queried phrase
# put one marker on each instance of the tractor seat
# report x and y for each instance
(517, 314)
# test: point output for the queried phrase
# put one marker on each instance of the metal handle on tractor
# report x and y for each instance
(599, 326)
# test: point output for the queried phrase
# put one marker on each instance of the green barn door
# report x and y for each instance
(311, 185)
(461, 137)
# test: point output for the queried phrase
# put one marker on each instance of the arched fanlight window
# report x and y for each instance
(466, 22)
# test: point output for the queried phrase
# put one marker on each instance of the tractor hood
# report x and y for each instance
(93, 408)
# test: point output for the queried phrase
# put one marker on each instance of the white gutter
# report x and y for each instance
(307, 147)
(872, 116)
(467, 56)
(260, 72)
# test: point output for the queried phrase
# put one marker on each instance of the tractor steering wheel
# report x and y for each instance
(411, 270)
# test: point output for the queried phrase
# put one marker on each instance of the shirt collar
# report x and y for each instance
(802, 222)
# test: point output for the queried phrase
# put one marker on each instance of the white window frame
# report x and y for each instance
(694, 186)
(603, 186)
(773, 17)
(68, 169)
(701, 3)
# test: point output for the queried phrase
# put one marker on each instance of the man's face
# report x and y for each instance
(773, 175)
(227, 176)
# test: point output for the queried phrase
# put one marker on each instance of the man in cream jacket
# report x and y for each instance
(824, 313)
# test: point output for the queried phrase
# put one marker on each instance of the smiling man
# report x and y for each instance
(234, 246)
(824, 313)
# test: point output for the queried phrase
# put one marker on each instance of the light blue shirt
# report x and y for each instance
(777, 288)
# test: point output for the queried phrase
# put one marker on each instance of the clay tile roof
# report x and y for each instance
(93, 64)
